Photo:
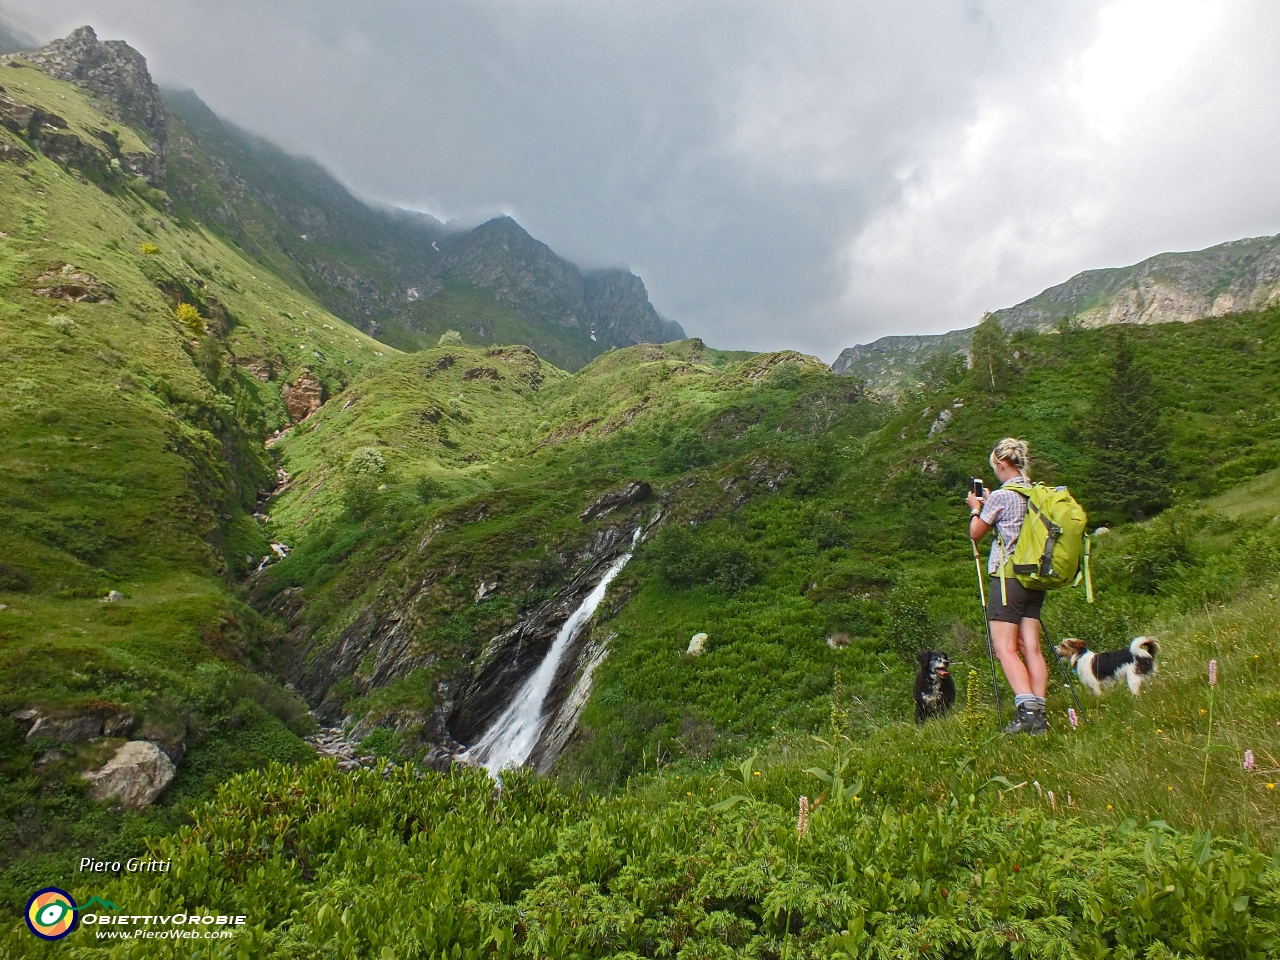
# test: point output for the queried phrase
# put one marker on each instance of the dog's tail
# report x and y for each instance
(1145, 647)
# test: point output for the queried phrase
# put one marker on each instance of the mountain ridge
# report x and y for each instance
(375, 265)
(1234, 277)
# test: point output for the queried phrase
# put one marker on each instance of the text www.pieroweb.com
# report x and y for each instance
(164, 934)
(175, 927)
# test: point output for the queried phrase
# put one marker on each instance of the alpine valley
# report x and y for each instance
(316, 515)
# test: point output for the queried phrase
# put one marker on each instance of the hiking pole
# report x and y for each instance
(991, 649)
(1064, 670)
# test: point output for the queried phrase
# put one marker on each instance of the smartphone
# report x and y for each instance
(977, 488)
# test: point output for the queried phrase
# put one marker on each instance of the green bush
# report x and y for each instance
(908, 625)
(1158, 554)
(428, 490)
(684, 449)
(684, 560)
(364, 474)
(359, 865)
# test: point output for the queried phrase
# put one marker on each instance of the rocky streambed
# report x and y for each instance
(334, 742)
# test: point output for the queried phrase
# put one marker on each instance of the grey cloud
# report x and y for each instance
(780, 174)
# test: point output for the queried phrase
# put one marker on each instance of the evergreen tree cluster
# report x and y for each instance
(1131, 477)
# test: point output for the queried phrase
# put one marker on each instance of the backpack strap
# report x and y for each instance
(1006, 555)
(1055, 531)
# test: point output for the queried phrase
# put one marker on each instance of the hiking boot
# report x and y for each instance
(1029, 718)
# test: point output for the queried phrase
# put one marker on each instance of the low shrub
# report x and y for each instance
(364, 474)
(359, 865)
(684, 560)
(63, 324)
(1158, 553)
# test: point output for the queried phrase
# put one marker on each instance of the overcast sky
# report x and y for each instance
(781, 174)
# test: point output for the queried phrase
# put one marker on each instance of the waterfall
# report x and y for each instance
(512, 737)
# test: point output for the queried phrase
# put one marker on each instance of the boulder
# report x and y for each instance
(260, 368)
(169, 737)
(304, 396)
(15, 115)
(944, 418)
(697, 644)
(135, 776)
(633, 491)
(113, 596)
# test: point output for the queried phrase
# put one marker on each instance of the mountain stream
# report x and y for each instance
(512, 737)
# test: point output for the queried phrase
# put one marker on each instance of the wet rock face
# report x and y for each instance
(382, 645)
(135, 776)
(113, 73)
(73, 727)
(304, 396)
(631, 492)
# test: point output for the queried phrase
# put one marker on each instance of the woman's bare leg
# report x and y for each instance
(1033, 655)
(1005, 638)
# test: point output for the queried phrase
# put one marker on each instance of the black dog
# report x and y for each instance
(935, 690)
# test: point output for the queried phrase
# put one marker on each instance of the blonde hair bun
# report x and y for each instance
(1013, 451)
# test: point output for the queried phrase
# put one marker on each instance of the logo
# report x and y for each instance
(51, 913)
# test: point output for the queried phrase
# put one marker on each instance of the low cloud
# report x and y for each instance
(805, 176)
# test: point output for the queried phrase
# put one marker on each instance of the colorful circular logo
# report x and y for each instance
(51, 913)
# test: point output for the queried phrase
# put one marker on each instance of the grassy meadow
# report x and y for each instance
(131, 459)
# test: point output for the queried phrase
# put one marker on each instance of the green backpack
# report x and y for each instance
(1053, 549)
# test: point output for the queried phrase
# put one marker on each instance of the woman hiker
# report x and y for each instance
(1015, 617)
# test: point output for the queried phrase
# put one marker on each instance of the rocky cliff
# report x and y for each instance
(1229, 278)
(1233, 277)
(113, 73)
(611, 306)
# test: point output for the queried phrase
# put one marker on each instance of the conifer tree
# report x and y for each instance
(990, 353)
(1131, 476)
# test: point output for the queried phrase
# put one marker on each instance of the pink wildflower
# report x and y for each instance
(802, 821)
(1213, 672)
(1071, 715)
(1249, 765)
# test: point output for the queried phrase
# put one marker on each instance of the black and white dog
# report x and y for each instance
(1097, 670)
(935, 690)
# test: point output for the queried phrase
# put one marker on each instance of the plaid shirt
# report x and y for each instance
(1005, 510)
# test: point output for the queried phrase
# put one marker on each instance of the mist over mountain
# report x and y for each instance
(378, 266)
(381, 267)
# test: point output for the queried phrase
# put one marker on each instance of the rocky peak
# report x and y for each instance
(518, 270)
(612, 306)
(113, 73)
(620, 312)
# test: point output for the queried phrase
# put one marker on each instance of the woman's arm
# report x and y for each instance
(977, 526)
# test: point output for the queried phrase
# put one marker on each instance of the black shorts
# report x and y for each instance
(1023, 603)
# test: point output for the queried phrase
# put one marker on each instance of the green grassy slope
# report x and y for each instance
(948, 840)
(517, 450)
(880, 552)
(863, 538)
(131, 459)
(482, 321)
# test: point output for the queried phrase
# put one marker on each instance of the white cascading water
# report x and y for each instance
(512, 737)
